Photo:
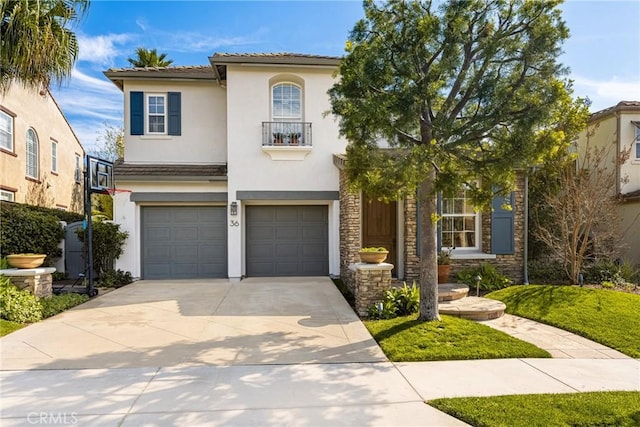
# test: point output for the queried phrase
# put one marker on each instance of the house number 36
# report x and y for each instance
(234, 223)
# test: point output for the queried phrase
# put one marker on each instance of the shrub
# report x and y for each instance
(107, 244)
(28, 230)
(547, 271)
(115, 279)
(397, 302)
(490, 278)
(18, 305)
(607, 270)
(55, 304)
(4, 264)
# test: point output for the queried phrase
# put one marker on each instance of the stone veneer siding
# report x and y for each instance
(41, 285)
(370, 284)
(350, 231)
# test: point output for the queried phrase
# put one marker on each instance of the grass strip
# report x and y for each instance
(609, 317)
(617, 408)
(405, 339)
(6, 327)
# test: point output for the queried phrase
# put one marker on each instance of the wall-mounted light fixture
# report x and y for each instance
(234, 209)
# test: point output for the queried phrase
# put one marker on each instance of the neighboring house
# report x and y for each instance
(620, 126)
(235, 170)
(40, 155)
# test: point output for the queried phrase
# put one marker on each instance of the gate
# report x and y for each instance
(73, 250)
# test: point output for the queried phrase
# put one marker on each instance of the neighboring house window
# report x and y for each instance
(54, 156)
(32, 154)
(460, 222)
(287, 102)
(78, 171)
(6, 131)
(156, 113)
(637, 141)
(6, 196)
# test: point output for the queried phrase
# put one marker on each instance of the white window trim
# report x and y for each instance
(7, 196)
(148, 114)
(471, 250)
(37, 154)
(54, 156)
(298, 118)
(636, 151)
(11, 132)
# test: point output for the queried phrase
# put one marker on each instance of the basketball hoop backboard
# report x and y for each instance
(100, 174)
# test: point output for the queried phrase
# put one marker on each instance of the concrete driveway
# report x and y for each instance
(193, 322)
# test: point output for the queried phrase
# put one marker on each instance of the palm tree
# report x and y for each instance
(149, 58)
(37, 45)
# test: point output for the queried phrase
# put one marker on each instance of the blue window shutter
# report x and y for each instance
(175, 111)
(502, 226)
(136, 112)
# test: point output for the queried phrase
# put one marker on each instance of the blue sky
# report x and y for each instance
(603, 52)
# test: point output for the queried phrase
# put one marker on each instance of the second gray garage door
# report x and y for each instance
(287, 241)
(183, 242)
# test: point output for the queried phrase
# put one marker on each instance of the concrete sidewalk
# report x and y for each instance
(355, 394)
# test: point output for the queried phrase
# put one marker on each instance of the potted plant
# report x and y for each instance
(373, 255)
(294, 138)
(444, 265)
(278, 138)
(26, 260)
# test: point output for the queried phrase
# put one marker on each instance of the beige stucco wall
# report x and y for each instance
(40, 112)
(203, 120)
(631, 168)
(629, 227)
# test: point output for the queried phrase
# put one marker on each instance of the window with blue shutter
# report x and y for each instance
(175, 107)
(136, 112)
(503, 225)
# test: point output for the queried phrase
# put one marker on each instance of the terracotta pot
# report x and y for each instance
(444, 271)
(373, 257)
(26, 260)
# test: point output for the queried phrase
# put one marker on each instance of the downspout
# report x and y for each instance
(526, 227)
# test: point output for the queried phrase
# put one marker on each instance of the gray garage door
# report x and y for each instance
(181, 242)
(287, 241)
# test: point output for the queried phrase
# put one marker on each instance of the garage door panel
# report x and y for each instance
(296, 243)
(184, 242)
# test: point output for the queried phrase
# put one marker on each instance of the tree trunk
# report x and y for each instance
(429, 249)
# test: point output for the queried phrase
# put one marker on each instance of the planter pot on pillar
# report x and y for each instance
(26, 260)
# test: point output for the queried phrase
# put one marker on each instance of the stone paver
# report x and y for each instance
(558, 342)
(473, 308)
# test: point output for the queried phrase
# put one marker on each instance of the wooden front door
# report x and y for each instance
(379, 226)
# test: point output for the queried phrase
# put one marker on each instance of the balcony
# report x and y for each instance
(286, 140)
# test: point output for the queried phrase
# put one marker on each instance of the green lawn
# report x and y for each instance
(618, 409)
(404, 339)
(6, 327)
(608, 317)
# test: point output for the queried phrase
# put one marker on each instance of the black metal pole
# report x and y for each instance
(89, 230)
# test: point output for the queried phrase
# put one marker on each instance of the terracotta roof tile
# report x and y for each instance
(622, 105)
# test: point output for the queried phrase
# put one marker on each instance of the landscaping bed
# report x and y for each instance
(605, 316)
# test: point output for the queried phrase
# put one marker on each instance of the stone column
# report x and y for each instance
(371, 283)
(37, 280)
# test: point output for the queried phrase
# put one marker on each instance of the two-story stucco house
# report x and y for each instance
(40, 155)
(233, 169)
(619, 126)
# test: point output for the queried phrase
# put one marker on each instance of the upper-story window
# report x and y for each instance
(32, 154)
(6, 131)
(78, 171)
(156, 113)
(286, 102)
(54, 156)
(460, 222)
(7, 196)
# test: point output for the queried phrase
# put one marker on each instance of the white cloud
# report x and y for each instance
(101, 49)
(607, 93)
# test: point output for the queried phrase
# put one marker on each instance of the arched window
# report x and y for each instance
(286, 101)
(32, 154)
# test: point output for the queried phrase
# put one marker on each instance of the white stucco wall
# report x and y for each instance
(203, 120)
(250, 168)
